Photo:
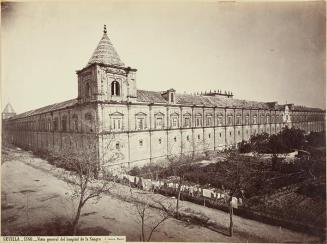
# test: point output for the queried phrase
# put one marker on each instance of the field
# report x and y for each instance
(34, 203)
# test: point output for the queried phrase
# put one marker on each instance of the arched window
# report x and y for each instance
(87, 90)
(115, 88)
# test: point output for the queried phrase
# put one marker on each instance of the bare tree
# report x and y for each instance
(151, 211)
(84, 172)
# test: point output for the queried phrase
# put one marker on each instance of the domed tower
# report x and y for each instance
(8, 112)
(105, 77)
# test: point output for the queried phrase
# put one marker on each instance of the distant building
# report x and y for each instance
(8, 112)
(148, 126)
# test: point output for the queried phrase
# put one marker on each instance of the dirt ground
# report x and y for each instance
(32, 195)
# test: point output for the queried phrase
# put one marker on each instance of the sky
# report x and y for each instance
(259, 51)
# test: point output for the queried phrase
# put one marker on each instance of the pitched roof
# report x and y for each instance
(304, 108)
(182, 99)
(105, 53)
(8, 109)
(45, 109)
(150, 97)
(188, 99)
(212, 101)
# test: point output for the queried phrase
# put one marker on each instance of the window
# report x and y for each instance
(230, 120)
(174, 120)
(220, 119)
(159, 140)
(88, 122)
(187, 120)
(199, 137)
(230, 133)
(87, 90)
(49, 125)
(238, 119)
(117, 124)
(117, 146)
(64, 123)
(198, 120)
(209, 135)
(116, 121)
(188, 138)
(247, 119)
(267, 119)
(172, 97)
(55, 124)
(140, 121)
(262, 119)
(175, 139)
(219, 134)
(255, 119)
(239, 133)
(115, 88)
(141, 143)
(159, 122)
(75, 122)
(209, 120)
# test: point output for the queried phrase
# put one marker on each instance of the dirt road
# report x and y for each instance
(32, 195)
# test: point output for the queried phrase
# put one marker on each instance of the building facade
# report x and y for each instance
(147, 126)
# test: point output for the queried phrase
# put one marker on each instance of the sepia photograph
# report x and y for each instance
(164, 121)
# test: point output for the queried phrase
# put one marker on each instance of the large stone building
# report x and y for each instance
(146, 126)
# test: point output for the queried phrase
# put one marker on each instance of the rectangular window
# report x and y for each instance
(247, 120)
(159, 123)
(198, 121)
(172, 97)
(187, 122)
(55, 124)
(117, 124)
(230, 120)
(220, 120)
(254, 120)
(140, 123)
(238, 120)
(209, 121)
(174, 122)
